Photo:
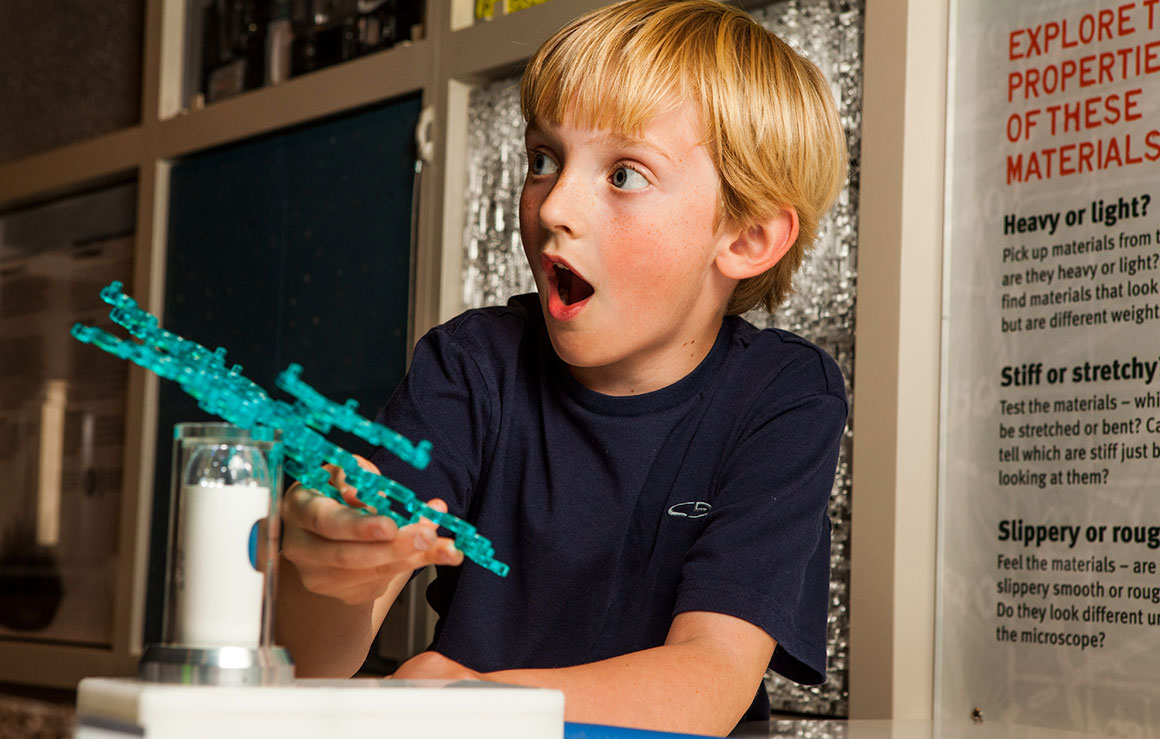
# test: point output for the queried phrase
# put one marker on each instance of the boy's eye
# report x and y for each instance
(627, 178)
(540, 163)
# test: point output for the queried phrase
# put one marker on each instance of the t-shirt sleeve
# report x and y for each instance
(764, 555)
(444, 399)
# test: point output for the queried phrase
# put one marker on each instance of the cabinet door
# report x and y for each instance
(62, 424)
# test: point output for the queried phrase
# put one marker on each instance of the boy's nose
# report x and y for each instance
(562, 208)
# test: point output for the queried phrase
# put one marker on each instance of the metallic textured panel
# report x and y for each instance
(69, 71)
(494, 267)
(830, 33)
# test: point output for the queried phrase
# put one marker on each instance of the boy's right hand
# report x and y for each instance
(342, 553)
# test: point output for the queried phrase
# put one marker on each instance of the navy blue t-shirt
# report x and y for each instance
(617, 513)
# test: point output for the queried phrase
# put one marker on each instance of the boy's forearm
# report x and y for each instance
(699, 685)
(326, 637)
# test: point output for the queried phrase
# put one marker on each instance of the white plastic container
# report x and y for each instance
(219, 591)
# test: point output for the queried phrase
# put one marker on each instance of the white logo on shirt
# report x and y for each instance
(692, 509)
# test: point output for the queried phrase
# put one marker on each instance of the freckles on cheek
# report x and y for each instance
(528, 221)
(640, 260)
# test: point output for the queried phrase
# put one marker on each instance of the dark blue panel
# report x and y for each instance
(292, 248)
(348, 256)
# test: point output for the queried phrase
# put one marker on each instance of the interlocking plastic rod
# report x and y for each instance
(228, 394)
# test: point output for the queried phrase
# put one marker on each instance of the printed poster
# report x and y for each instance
(1049, 590)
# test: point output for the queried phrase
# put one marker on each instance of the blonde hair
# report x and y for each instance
(770, 122)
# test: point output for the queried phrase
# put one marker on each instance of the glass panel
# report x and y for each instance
(239, 45)
(829, 32)
(62, 417)
(68, 72)
(1048, 509)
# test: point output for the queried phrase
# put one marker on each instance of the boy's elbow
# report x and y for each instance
(728, 663)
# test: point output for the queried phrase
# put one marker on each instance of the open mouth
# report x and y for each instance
(570, 286)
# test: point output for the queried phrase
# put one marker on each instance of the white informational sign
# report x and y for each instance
(1049, 604)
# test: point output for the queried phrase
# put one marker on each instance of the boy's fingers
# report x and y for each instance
(337, 476)
(366, 464)
(325, 535)
(442, 549)
(330, 519)
(448, 554)
(414, 547)
(417, 546)
(437, 504)
(338, 480)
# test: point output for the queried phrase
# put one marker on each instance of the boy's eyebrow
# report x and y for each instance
(638, 142)
(623, 139)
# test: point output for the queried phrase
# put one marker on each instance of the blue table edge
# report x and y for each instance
(574, 730)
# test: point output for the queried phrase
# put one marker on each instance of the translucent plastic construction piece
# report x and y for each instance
(226, 393)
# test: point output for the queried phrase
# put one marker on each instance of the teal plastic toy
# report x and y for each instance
(228, 394)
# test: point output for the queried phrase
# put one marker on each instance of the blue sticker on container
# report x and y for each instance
(254, 544)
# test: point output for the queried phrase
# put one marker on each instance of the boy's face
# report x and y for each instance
(620, 234)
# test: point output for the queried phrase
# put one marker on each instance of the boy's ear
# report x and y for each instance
(755, 248)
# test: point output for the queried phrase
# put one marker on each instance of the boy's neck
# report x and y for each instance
(647, 373)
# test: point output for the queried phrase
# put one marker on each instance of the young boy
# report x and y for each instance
(655, 470)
